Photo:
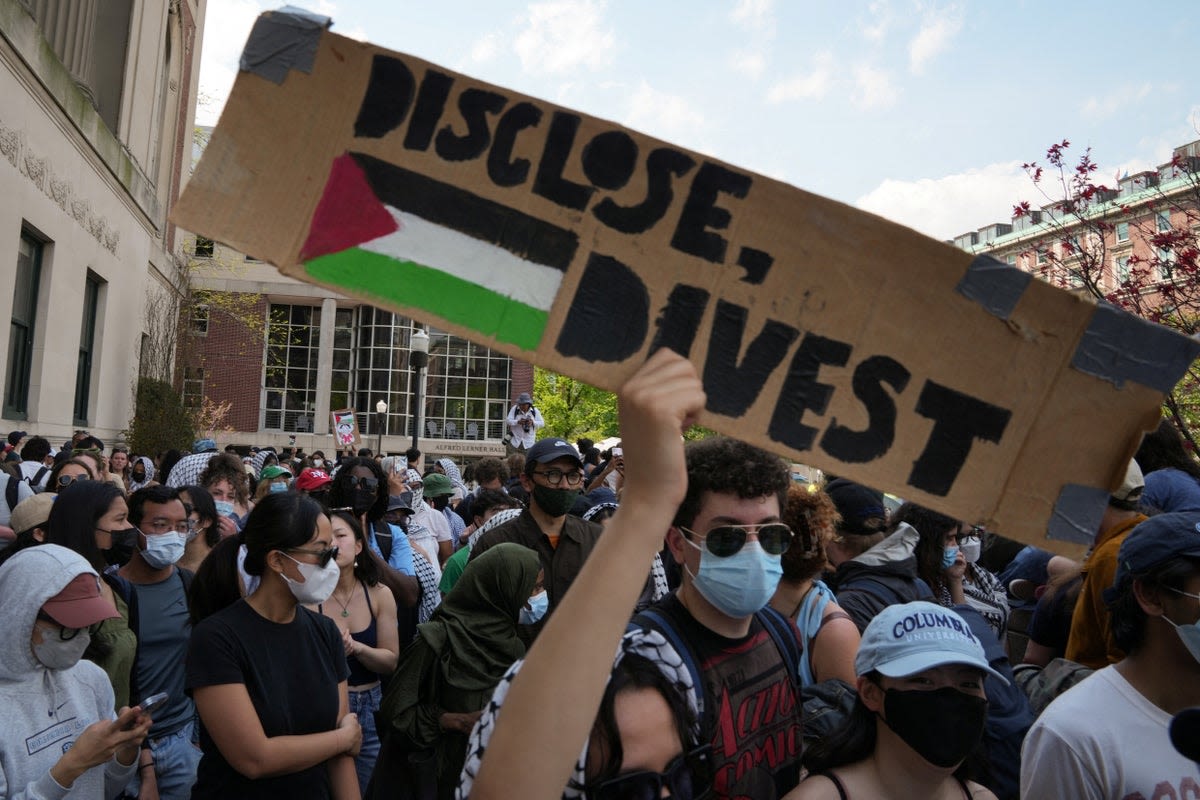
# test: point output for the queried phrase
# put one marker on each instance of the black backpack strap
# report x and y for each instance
(781, 630)
(37, 477)
(651, 619)
(10, 493)
(383, 538)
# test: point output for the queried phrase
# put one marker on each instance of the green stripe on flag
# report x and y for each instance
(451, 298)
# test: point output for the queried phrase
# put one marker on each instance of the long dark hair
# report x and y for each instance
(932, 545)
(341, 491)
(75, 514)
(1164, 448)
(202, 503)
(634, 671)
(217, 584)
(366, 569)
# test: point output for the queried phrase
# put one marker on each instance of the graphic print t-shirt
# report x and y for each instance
(753, 707)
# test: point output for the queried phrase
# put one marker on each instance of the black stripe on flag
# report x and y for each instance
(452, 207)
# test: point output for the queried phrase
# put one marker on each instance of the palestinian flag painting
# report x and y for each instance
(385, 232)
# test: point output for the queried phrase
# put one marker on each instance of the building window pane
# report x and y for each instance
(87, 342)
(21, 332)
(290, 374)
(1122, 231)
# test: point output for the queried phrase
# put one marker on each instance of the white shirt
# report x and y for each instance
(30, 468)
(516, 425)
(425, 532)
(1103, 739)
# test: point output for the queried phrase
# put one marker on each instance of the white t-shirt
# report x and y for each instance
(1102, 739)
(424, 532)
(30, 469)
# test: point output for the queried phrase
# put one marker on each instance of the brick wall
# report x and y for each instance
(522, 378)
(232, 358)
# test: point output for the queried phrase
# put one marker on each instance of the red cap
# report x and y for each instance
(312, 479)
(80, 603)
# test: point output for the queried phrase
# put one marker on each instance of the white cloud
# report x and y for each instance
(562, 35)
(938, 28)
(486, 48)
(757, 15)
(666, 116)
(358, 32)
(880, 18)
(811, 85)
(1117, 99)
(751, 63)
(953, 204)
(873, 88)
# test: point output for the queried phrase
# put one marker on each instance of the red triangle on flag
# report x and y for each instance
(348, 213)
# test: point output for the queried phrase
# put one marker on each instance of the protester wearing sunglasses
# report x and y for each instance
(718, 503)
(268, 675)
(67, 472)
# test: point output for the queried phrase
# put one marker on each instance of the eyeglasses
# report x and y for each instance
(556, 476)
(687, 776)
(365, 483)
(774, 537)
(973, 535)
(323, 556)
(64, 633)
(162, 526)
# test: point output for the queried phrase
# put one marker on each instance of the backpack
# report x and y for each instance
(10, 493)
(36, 479)
(776, 624)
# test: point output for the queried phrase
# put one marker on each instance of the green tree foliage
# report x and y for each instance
(160, 420)
(573, 408)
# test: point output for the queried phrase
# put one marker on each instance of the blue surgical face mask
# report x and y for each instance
(740, 584)
(224, 508)
(278, 486)
(1189, 634)
(949, 556)
(537, 606)
(164, 549)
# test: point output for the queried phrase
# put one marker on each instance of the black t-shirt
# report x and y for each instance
(755, 710)
(291, 672)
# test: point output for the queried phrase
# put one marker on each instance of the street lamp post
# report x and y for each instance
(381, 420)
(418, 345)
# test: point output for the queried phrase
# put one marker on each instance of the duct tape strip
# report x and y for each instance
(994, 285)
(1119, 347)
(1077, 514)
(282, 41)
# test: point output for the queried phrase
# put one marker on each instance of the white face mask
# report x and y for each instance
(971, 550)
(164, 549)
(535, 609)
(54, 653)
(319, 582)
(1189, 634)
(318, 462)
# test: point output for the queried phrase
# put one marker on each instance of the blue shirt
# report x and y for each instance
(401, 558)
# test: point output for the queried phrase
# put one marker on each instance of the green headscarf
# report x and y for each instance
(474, 630)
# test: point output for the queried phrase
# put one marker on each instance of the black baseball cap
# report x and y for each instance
(547, 450)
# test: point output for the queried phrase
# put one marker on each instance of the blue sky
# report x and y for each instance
(919, 111)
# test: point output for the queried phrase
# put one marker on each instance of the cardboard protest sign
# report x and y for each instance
(345, 427)
(822, 332)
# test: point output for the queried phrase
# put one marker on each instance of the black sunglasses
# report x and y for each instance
(687, 776)
(774, 537)
(365, 483)
(323, 556)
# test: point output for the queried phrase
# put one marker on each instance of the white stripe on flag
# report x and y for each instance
(470, 259)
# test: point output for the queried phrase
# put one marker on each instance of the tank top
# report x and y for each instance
(841, 790)
(368, 636)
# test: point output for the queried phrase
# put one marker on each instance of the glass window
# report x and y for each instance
(87, 342)
(290, 374)
(200, 319)
(193, 386)
(1122, 268)
(21, 329)
(1163, 221)
(1122, 231)
(203, 248)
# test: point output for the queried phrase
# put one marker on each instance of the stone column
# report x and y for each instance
(324, 367)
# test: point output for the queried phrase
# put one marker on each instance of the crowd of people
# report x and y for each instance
(655, 620)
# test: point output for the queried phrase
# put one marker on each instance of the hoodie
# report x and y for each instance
(43, 711)
(883, 576)
(148, 465)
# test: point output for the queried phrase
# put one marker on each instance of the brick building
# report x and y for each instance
(284, 354)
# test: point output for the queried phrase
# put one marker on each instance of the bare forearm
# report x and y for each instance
(343, 779)
(282, 755)
(568, 671)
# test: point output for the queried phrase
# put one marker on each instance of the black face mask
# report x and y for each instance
(943, 725)
(139, 476)
(321, 497)
(123, 543)
(363, 500)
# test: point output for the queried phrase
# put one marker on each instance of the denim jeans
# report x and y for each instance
(175, 762)
(365, 704)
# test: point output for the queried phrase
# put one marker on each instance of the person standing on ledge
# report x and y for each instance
(523, 422)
